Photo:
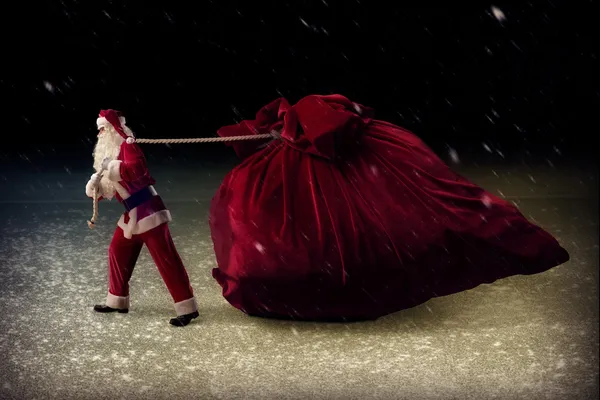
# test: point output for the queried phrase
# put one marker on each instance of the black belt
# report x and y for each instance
(138, 198)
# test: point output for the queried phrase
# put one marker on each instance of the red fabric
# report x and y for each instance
(134, 168)
(135, 176)
(123, 254)
(112, 116)
(348, 217)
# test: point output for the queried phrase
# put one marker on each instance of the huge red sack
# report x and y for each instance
(347, 217)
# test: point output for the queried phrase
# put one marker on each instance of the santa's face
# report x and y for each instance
(108, 145)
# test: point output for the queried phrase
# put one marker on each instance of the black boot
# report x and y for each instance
(185, 319)
(106, 309)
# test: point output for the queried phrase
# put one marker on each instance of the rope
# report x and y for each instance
(273, 135)
(92, 222)
(209, 140)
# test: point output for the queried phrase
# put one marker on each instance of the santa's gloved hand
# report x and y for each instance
(96, 178)
(105, 162)
(92, 184)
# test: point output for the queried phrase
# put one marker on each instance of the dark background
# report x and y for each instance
(456, 76)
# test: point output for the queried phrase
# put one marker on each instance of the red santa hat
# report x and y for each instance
(117, 120)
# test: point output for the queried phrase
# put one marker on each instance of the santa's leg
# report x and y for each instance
(122, 256)
(162, 249)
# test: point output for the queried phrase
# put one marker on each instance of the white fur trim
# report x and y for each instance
(130, 140)
(186, 306)
(128, 231)
(117, 301)
(145, 224)
(122, 191)
(154, 220)
(135, 227)
(114, 170)
(101, 121)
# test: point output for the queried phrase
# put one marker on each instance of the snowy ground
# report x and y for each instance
(530, 337)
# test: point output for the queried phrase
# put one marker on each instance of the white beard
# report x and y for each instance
(108, 145)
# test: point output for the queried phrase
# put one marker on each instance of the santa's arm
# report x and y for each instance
(131, 168)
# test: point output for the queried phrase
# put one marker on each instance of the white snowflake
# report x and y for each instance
(498, 14)
(486, 200)
(49, 87)
(259, 247)
(556, 150)
(454, 155)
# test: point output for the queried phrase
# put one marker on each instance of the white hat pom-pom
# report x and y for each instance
(130, 140)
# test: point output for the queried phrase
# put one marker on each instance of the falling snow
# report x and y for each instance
(454, 155)
(486, 200)
(531, 178)
(49, 87)
(556, 150)
(259, 247)
(498, 14)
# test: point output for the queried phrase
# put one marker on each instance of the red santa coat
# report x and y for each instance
(129, 172)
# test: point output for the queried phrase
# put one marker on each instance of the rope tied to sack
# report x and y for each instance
(274, 134)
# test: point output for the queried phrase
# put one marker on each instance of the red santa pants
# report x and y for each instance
(122, 257)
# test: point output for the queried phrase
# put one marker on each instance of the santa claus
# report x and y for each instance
(122, 172)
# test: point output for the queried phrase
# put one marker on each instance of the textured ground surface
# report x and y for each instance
(530, 337)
